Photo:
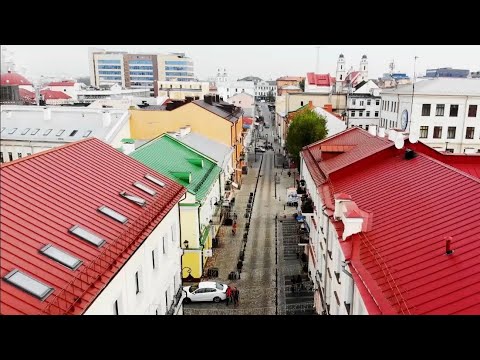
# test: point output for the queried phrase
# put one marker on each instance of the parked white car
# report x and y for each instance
(205, 291)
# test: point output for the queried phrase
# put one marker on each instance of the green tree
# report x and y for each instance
(306, 127)
(301, 84)
(270, 96)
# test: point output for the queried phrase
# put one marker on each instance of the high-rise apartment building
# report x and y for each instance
(137, 70)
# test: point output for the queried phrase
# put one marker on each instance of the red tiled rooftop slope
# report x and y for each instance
(350, 145)
(44, 195)
(415, 204)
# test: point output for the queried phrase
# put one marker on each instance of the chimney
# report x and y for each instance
(183, 131)
(217, 98)
(47, 114)
(372, 130)
(208, 99)
(107, 119)
(188, 99)
(354, 219)
(448, 242)
(328, 107)
(392, 135)
(381, 132)
(128, 148)
(188, 129)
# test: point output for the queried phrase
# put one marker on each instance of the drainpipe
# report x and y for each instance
(326, 258)
(464, 132)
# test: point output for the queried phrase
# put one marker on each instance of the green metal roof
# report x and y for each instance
(176, 160)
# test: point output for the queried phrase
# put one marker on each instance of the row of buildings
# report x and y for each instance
(442, 111)
(154, 185)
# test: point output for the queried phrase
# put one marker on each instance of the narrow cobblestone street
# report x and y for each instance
(265, 267)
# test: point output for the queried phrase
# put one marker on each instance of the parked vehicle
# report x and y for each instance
(205, 291)
(260, 149)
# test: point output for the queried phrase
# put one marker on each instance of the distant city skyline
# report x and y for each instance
(265, 61)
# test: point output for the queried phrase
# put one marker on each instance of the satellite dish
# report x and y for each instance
(399, 142)
(413, 138)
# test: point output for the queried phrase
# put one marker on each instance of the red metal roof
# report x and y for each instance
(62, 83)
(319, 79)
(400, 265)
(11, 78)
(54, 95)
(44, 195)
(469, 163)
(24, 93)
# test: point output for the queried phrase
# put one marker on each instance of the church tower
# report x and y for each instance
(364, 68)
(340, 75)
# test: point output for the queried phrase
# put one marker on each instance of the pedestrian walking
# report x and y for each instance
(236, 297)
(229, 294)
(234, 228)
(235, 216)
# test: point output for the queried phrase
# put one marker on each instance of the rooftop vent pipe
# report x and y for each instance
(448, 250)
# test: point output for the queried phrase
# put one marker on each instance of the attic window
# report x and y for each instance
(73, 133)
(61, 256)
(145, 188)
(47, 132)
(24, 132)
(60, 132)
(155, 180)
(113, 214)
(35, 131)
(87, 133)
(28, 284)
(12, 131)
(87, 235)
(137, 200)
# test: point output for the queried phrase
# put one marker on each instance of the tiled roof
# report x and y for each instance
(46, 194)
(181, 159)
(54, 95)
(62, 83)
(401, 263)
(220, 110)
(319, 79)
(11, 78)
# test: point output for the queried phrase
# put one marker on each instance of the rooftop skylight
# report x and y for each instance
(24, 132)
(35, 131)
(145, 188)
(155, 180)
(87, 133)
(137, 200)
(113, 214)
(3, 128)
(60, 132)
(28, 284)
(12, 131)
(48, 131)
(61, 256)
(87, 235)
(73, 132)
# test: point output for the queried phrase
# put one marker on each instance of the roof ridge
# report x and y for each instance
(329, 138)
(189, 147)
(14, 162)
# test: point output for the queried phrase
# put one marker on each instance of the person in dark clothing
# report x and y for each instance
(236, 296)
(239, 266)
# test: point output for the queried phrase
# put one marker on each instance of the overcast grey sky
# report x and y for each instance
(265, 61)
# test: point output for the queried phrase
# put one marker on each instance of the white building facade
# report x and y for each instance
(335, 292)
(27, 130)
(179, 90)
(155, 268)
(263, 89)
(364, 106)
(443, 113)
(244, 101)
(227, 87)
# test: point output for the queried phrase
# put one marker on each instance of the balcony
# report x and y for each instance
(307, 206)
(177, 300)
